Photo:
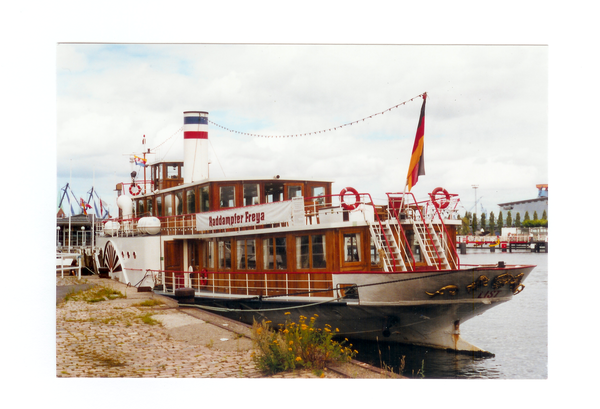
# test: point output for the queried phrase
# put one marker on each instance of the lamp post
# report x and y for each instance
(475, 187)
(475, 213)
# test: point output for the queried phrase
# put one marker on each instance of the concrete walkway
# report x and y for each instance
(111, 339)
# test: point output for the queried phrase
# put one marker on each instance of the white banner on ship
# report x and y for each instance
(279, 212)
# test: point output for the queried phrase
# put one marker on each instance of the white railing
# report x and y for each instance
(247, 284)
(513, 238)
(69, 257)
(310, 213)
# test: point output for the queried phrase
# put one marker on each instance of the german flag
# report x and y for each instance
(417, 160)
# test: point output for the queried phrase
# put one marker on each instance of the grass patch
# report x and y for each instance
(297, 345)
(95, 294)
(150, 303)
(106, 360)
(147, 319)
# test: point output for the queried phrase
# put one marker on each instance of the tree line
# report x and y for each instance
(493, 225)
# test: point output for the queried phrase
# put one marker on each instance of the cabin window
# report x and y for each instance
(310, 252)
(246, 254)
(273, 192)
(227, 196)
(204, 199)
(274, 253)
(178, 203)
(225, 254)
(251, 196)
(159, 206)
(375, 259)
(168, 205)
(149, 205)
(294, 191)
(318, 191)
(173, 172)
(208, 254)
(190, 199)
(352, 248)
(140, 207)
(193, 255)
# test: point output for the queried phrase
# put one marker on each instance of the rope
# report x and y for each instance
(165, 141)
(206, 307)
(317, 132)
(167, 152)
(218, 161)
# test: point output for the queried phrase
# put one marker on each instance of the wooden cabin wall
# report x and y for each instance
(452, 254)
(214, 192)
(273, 282)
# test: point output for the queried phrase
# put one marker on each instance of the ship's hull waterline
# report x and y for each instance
(427, 320)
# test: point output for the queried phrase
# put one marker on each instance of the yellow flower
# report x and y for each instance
(327, 329)
(337, 330)
(287, 313)
(289, 349)
(316, 315)
(267, 322)
(298, 359)
(322, 375)
(291, 342)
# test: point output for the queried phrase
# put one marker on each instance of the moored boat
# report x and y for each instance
(277, 248)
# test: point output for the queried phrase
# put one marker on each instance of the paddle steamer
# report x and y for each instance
(258, 248)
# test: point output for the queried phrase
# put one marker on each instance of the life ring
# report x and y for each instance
(137, 191)
(356, 197)
(442, 202)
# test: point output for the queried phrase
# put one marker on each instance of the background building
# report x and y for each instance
(539, 204)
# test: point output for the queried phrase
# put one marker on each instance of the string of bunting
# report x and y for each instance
(315, 132)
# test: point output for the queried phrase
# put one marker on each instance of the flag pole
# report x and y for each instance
(70, 213)
(403, 196)
(416, 163)
(95, 210)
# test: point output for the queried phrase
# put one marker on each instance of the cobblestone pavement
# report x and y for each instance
(110, 339)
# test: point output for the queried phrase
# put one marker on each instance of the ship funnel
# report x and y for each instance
(195, 146)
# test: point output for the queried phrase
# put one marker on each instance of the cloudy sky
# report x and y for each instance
(486, 116)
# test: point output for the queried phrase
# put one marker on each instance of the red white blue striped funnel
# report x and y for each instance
(195, 146)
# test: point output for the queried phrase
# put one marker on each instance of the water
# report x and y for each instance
(516, 332)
